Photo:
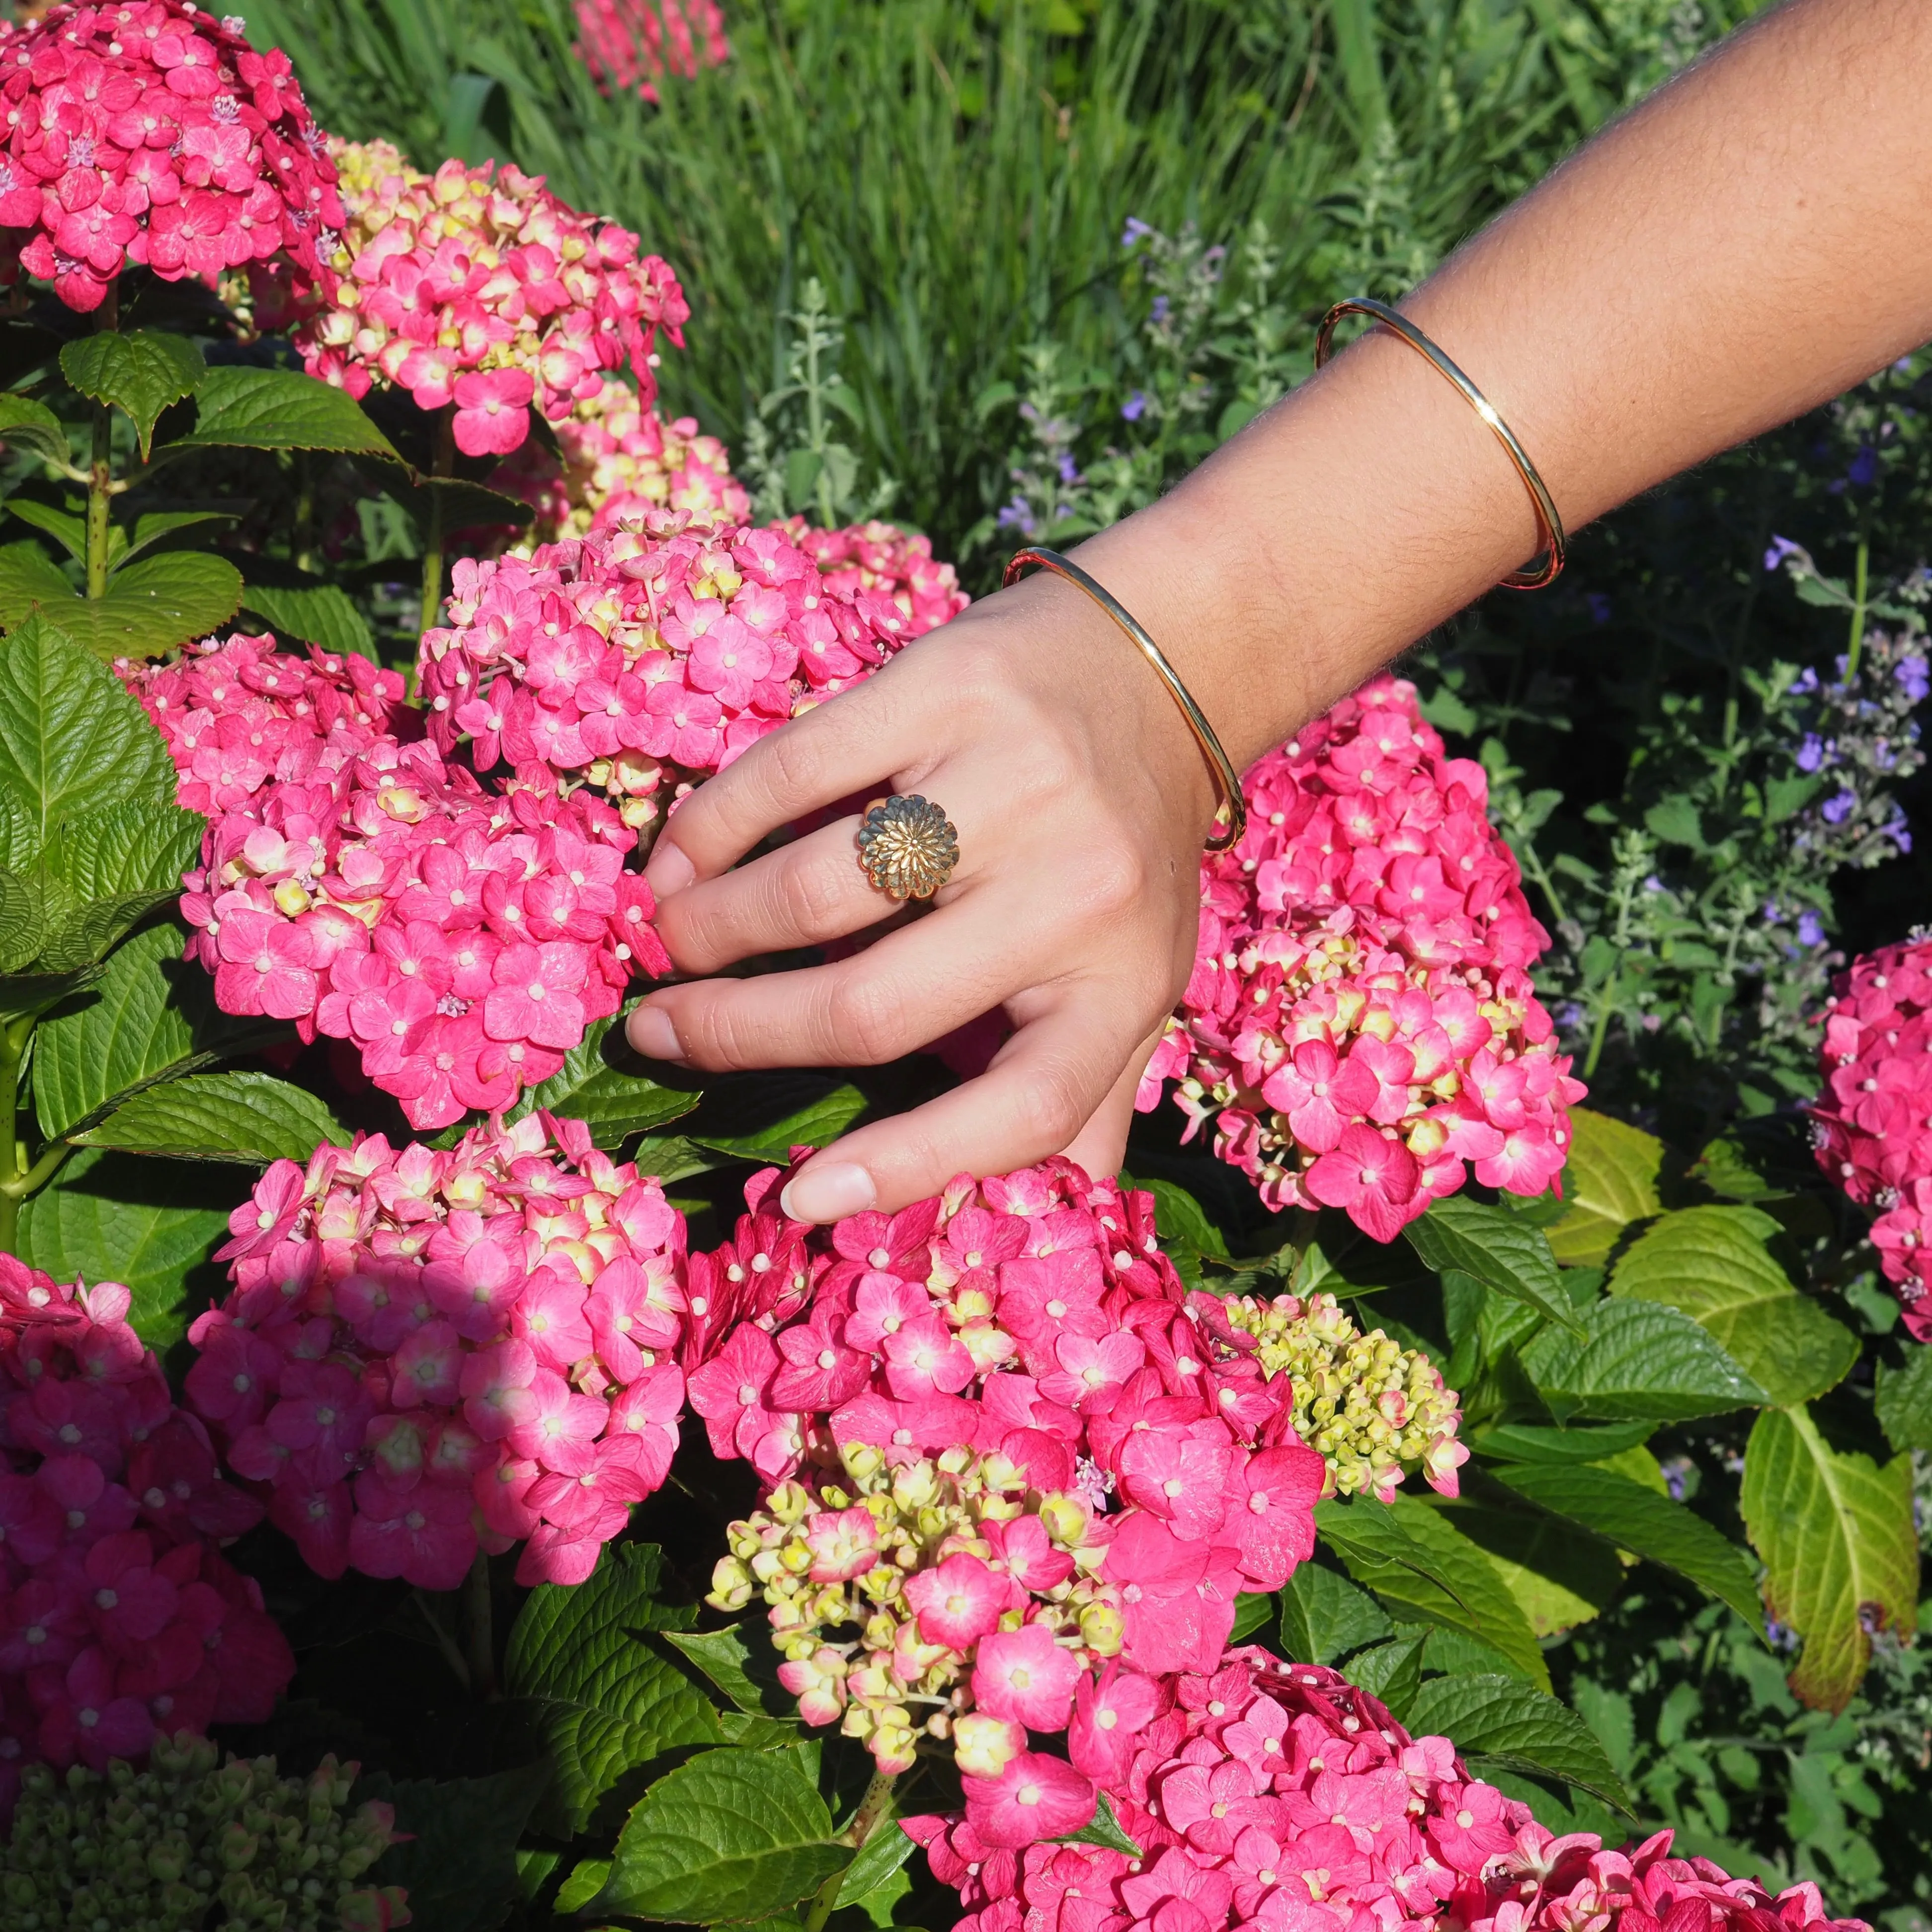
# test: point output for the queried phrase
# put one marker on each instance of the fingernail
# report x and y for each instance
(668, 870)
(828, 1193)
(651, 1034)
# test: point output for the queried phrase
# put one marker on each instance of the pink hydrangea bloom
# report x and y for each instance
(617, 459)
(119, 1619)
(631, 44)
(643, 660)
(478, 287)
(1061, 1456)
(152, 132)
(461, 941)
(425, 1353)
(1280, 1796)
(1360, 1028)
(1872, 1125)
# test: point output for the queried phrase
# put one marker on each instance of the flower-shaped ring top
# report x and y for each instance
(908, 847)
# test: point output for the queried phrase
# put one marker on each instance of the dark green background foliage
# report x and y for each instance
(1008, 268)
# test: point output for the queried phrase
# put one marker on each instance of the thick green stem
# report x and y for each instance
(12, 1048)
(99, 500)
(443, 465)
(1601, 1029)
(876, 1802)
(1858, 587)
(479, 1631)
(100, 470)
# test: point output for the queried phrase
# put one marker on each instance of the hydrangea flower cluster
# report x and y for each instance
(1361, 1027)
(1010, 1415)
(461, 941)
(160, 1849)
(644, 660)
(1280, 1796)
(927, 1558)
(427, 1354)
(1872, 1125)
(118, 1618)
(617, 460)
(881, 560)
(478, 288)
(1369, 1407)
(152, 132)
(631, 43)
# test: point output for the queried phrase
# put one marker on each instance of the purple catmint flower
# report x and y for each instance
(1806, 682)
(1016, 516)
(1810, 753)
(1676, 1474)
(1599, 605)
(1864, 471)
(1837, 809)
(1134, 407)
(1069, 475)
(1136, 231)
(1781, 548)
(1810, 930)
(1912, 674)
(1899, 831)
(1160, 308)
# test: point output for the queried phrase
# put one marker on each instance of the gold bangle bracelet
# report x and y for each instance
(1232, 809)
(1547, 565)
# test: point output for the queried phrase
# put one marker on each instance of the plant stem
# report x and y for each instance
(481, 1637)
(1858, 585)
(1602, 1027)
(875, 1804)
(459, 1665)
(12, 1049)
(100, 471)
(443, 466)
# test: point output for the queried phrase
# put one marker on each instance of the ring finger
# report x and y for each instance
(808, 891)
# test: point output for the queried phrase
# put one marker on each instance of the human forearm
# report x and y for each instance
(1748, 243)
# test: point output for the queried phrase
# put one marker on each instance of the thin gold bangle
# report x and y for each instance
(1232, 809)
(1547, 565)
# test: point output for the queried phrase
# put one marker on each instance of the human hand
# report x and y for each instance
(1080, 801)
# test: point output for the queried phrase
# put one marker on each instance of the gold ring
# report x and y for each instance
(908, 847)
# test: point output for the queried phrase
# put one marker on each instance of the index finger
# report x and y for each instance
(856, 739)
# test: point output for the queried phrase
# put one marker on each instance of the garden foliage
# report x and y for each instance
(1416, 1458)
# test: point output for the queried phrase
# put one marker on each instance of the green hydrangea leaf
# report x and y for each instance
(154, 603)
(279, 408)
(20, 928)
(1498, 1249)
(31, 581)
(821, 1119)
(142, 373)
(68, 528)
(72, 740)
(1904, 1400)
(316, 614)
(112, 1217)
(247, 1117)
(1637, 1361)
(33, 426)
(1840, 1547)
(1711, 1263)
(731, 1835)
(148, 1015)
(1632, 1516)
(1412, 1555)
(1500, 1721)
(603, 1084)
(1611, 1180)
(1323, 1616)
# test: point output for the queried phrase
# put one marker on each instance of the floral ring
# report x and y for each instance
(908, 847)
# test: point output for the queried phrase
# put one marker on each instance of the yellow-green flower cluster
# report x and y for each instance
(1367, 1406)
(828, 1556)
(159, 1850)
